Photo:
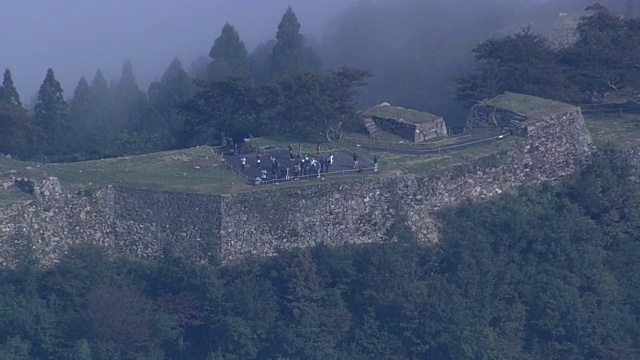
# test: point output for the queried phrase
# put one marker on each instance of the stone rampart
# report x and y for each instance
(259, 223)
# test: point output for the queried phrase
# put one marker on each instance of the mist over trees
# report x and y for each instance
(437, 56)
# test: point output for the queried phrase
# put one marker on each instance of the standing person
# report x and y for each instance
(291, 151)
(287, 175)
(243, 161)
(318, 149)
(258, 158)
(355, 160)
(375, 163)
(326, 164)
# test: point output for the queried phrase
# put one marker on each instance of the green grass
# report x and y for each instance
(396, 112)
(195, 170)
(532, 106)
(199, 170)
(614, 128)
(397, 142)
(394, 163)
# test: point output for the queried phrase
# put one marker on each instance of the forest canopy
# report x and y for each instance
(549, 273)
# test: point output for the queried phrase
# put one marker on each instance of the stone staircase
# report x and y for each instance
(373, 129)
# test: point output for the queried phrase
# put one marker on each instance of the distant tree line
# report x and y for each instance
(550, 273)
(280, 86)
(604, 60)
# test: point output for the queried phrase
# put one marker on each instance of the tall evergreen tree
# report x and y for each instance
(102, 132)
(51, 116)
(199, 68)
(8, 92)
(229, 55)
(127, 89)
(100, 87)
(290, 55)
(81, 112)
(260, 61)
(174, 88)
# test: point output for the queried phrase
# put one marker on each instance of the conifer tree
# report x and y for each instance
(81, 113)
(100, 88)
(102, 133)
(174, 88)
(290, 55)
(127, 89)
(8, 92)
(229, 57)
(51, 116)
(260, 61)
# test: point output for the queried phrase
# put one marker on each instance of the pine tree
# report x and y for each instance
(174, 88)
(81, 113)
(51, 116)
(290, 55)
(8, 92)
(127, 88)
(81, 102)
(126, 96)
(260, 61)
(229, 55)
(102, 133)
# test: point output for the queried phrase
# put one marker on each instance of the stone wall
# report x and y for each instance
(260, 223)
(125, 221)
(484, 116)
(415, 132)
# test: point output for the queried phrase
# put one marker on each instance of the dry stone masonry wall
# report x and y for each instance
(231, 228)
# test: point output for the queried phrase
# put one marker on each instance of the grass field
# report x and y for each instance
(615, 128)
(190, 170)
(532, 106)
(395, 163)
(199, 170)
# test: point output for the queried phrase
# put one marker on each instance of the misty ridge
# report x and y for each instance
(412, 47)
(405, 52)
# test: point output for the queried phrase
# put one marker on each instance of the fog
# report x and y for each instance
(413, 47)
(76, 37)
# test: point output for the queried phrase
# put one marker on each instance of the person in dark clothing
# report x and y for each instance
(355, 160)
(375, 163)
(291, 151)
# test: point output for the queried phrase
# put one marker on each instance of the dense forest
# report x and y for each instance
(549, 273)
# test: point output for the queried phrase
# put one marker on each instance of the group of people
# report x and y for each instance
(303, 165)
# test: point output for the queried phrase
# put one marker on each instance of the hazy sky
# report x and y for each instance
(76, 37)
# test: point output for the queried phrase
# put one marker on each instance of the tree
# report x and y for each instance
(231, 106)
(126, 90)
(522, 62)
(51, 116)
(15, 130)
(102, 133)
(260, 61)
(290, 55)
(606, 56)
(167, 95)
(198, 70)
(315, 104)
(80, 113)
(8, 92)
(228, 55)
